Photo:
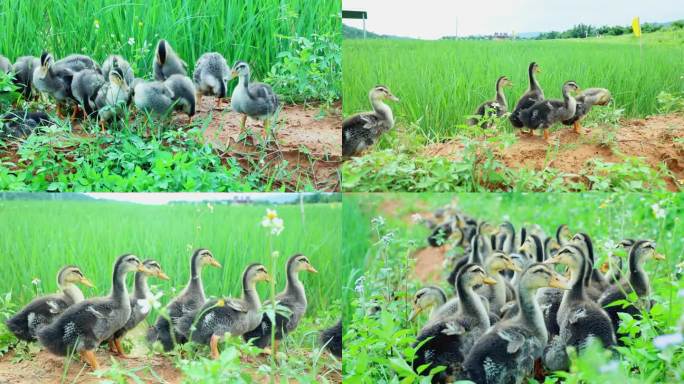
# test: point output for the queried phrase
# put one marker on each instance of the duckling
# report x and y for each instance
(331, 339)
(434, 298)
(54, 80)
(117, 61)
(77, 63)
(585, 101)
(211, 77)
(113, 97)
(23, 70)
(85, 86)
(140, 304)
(19, 124)
(362, 130)
(495, 294)
(478, 252)
(83, 326)
(563, 234)
(40, 312)
(579, 318)
(497, 107)
(636, 281)
(612, 269)
(443, 232)
(183, 94)
(256, 100)
(543, 114)
(533, 95)
(551, 247)
(293, 297)
(447, 342)
(167, 63)
(533, 248)
(595, 283)
(189, 300)
(506, 238)
(154, 97)
(507, 351)
(5, 64)
(216, 317)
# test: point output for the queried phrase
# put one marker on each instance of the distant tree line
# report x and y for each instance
(581, 31)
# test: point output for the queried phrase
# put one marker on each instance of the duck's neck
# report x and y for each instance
(499, 289)
(637, 276)
(250, 295)
(195, 277)
(500, 96)
(119, 291)
(244, 81)
(294, 287)
(71, 291)
(578, 281)
(439, 302)
(570, 102)
(471, 304)
(383, 110)
(141, 290)
(530, 313)
(534, 85)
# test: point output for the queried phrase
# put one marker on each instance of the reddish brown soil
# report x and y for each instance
(429, 263)
(651, 139)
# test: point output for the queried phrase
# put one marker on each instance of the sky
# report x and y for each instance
(433, 19)
(165, 198)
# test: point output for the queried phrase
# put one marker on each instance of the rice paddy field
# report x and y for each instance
(292, 45)
(633, 144)
(43, 235)
(388, 259)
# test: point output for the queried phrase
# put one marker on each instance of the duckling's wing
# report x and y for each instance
(362, 120)
(236, 305)
(514, 339)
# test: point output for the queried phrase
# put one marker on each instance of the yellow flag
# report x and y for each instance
(636, 27)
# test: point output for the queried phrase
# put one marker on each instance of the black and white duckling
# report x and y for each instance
(140, 303)
(40, 312)
(579, 318)
(497, 107)
(167, 63)
(495, 294)
(5, 65)
(331, 339)
(21, 123)
(83, 326)
(563, 234)
(85, 86)
(612, 268)
(154, 98)
(113, 97)
(211, 77)
(189, 300)
(636, 281)
(543, 114)
(585, 101)
(117, 61)
(252, 99)
(451, 230)
(208, 324)
(54, 81)
(595, 283)
(183, 94)
(478, 253)
(23, 70)
(293, 297)
(507, 351)
(529, 98)
(362, 130)
(434, 299)
(533, 248)
(448, 341)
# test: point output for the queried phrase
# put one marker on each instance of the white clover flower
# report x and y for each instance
(272, 221)
(417, 218)
(131, 41)
(664, 341)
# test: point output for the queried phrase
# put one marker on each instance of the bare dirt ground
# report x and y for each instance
(652, 139)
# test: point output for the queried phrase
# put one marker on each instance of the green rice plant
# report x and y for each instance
(441, 83)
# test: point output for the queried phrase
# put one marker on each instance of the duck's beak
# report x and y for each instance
(214, 263)
(658, 256)
(162, 275)
(233, 74)
(513, 266)
(394, 98)
(604, 267)
(559, 282)
(489, 281)
(268, 277)
(311, 269)
(144, 269)
(415, 312)
(86, 282)
(553, 260)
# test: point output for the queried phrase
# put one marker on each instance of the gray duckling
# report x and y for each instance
(5, 64)
(183, 94)
(211, 76)
(255, 100)
(112, 97)
(167, 63)
(23, 70)
(115, 61)
(85, 87)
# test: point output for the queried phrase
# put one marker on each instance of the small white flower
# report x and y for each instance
(378, 221)
(417, 218)
(358, 285)
(664, 341)
(272, 221)
(131, 41)
(658, 212)
(35, 281)
(144, 306)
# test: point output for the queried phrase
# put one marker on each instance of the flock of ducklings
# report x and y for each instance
(67, 323)
(514, 314)
(103, 92)
(532, 111)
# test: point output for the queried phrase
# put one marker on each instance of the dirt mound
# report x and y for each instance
(652, 139)
(429, 263)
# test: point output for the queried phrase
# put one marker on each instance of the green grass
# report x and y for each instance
(379, 346)
(440, 83)
(254, 31)
(40, 237)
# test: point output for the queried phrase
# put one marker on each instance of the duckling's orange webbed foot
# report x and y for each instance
(119, 349)
(213, 345)
(90, 358)
(112, 347)
(578, 127)
(546, 134)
